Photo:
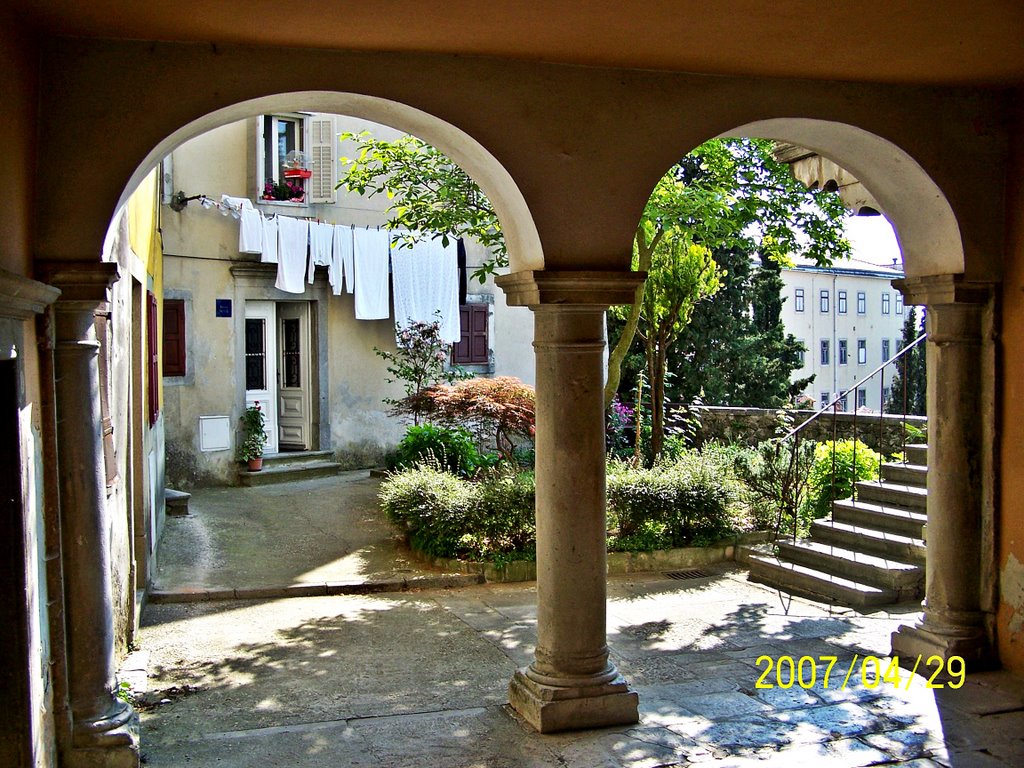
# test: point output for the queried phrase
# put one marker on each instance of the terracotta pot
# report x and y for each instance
(255, 465)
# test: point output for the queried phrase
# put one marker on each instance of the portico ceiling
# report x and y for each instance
(897, 41)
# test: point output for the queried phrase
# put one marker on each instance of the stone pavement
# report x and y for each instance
(419, 679)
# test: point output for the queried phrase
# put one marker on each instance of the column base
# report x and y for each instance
(551, 708)
(111, 742)
(970, 644)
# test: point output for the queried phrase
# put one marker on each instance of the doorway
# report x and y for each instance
(279, 344)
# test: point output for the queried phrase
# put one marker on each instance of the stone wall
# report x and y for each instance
(750, 426)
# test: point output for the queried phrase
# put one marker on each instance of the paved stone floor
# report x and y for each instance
(419, 679)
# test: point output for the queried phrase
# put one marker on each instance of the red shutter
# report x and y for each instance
(153, 350)
(174, 337)
(473, 347)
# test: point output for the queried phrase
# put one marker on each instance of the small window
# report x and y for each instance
(174, 337)
(473, 347)
(825, 398)
(798, 300)
(885, 303)
(862, 398)
(862, 303)
(801, 354)
(899, 303)
(255, 353)
(824, 351)
(885, 350)
(886, 394)
(844, 403)
(281, 134)
(842, 352)
(862, 351)
(823, 302)
(841, 303)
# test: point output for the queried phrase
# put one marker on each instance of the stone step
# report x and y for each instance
(894, 546)
(905, 579)
(917, 453)
(893, 494)
(176, 502)
(288, 473)
(815, 584)
(908, 522)
(907, 474)
(296, 457)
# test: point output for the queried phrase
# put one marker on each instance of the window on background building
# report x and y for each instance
(899, 303)
(174, 337)
(473, 347)
(312, 179)
(862, 303)
(823, 302)
(800, 355)
(798, 300)
(841, 303)
(824, 351)
(886, 393)
(844, 403)
(842, 352)
(825, 396)
(885, 350)
(885, 303)
(862, 351)
(862, 398)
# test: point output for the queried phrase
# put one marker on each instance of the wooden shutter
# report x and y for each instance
(153, 358)
(473, 347)
(174, 337)
(321, 151)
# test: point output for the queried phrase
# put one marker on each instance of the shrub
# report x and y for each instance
(824, 487)
(446, 516)
(453, 450)
(694, 500)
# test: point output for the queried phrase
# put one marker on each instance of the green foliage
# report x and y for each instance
(420, 361)
(254, 436)
(837, 466)
(432, 196)
(694, 500)
(452, 450)
(446, 516)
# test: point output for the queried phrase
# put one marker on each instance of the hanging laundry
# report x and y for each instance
(269, 240)
(321, 237)
(250, 231)
(341, 259)
(370, 257)
(293, 240)
(427, 286)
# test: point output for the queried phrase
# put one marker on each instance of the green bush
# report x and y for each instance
(825, 486)
(454, 450)
(693, 500)
(447, 516)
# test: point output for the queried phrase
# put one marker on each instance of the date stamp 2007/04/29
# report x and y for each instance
(870, 671)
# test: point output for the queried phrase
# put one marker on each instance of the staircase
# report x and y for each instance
(870, 552)
(291, 466)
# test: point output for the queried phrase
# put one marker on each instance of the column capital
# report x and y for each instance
(934, 290)
(583, 288)
(80, 282)
(22, 298)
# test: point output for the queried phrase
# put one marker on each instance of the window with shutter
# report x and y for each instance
(174, 337)
(473, 347)
(321, 152)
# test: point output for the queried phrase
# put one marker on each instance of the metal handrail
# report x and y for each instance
(854, 388)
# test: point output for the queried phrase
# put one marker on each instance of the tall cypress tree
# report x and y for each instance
(911, 372)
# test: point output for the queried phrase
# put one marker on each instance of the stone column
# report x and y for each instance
(104, 728)
(571, 684)
(953, 622)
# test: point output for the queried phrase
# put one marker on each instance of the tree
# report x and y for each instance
(910, 382)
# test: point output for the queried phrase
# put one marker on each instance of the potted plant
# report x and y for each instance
(254, 438)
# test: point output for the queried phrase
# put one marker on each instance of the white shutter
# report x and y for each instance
(321, 153)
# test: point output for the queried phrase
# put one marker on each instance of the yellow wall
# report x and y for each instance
(143, 211)
(1010, 628)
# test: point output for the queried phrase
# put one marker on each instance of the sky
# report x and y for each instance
(874, 242)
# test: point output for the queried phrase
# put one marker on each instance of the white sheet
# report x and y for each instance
(370, 257)
(341, 269)
(250, 228)
(269, 240)
(427, 286)
(321, 237)
(293, 239)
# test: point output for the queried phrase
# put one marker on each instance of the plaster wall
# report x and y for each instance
(1010, 505)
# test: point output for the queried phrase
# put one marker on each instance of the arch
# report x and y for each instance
(925, 225)
(518, 226)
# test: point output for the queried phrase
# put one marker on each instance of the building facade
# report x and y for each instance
(850, 320)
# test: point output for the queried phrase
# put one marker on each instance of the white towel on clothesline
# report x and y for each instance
(426, 280)
(269, 240)
(293, 240)
(250, 229)
(370, 257)
(321, 238)
(341, 259)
